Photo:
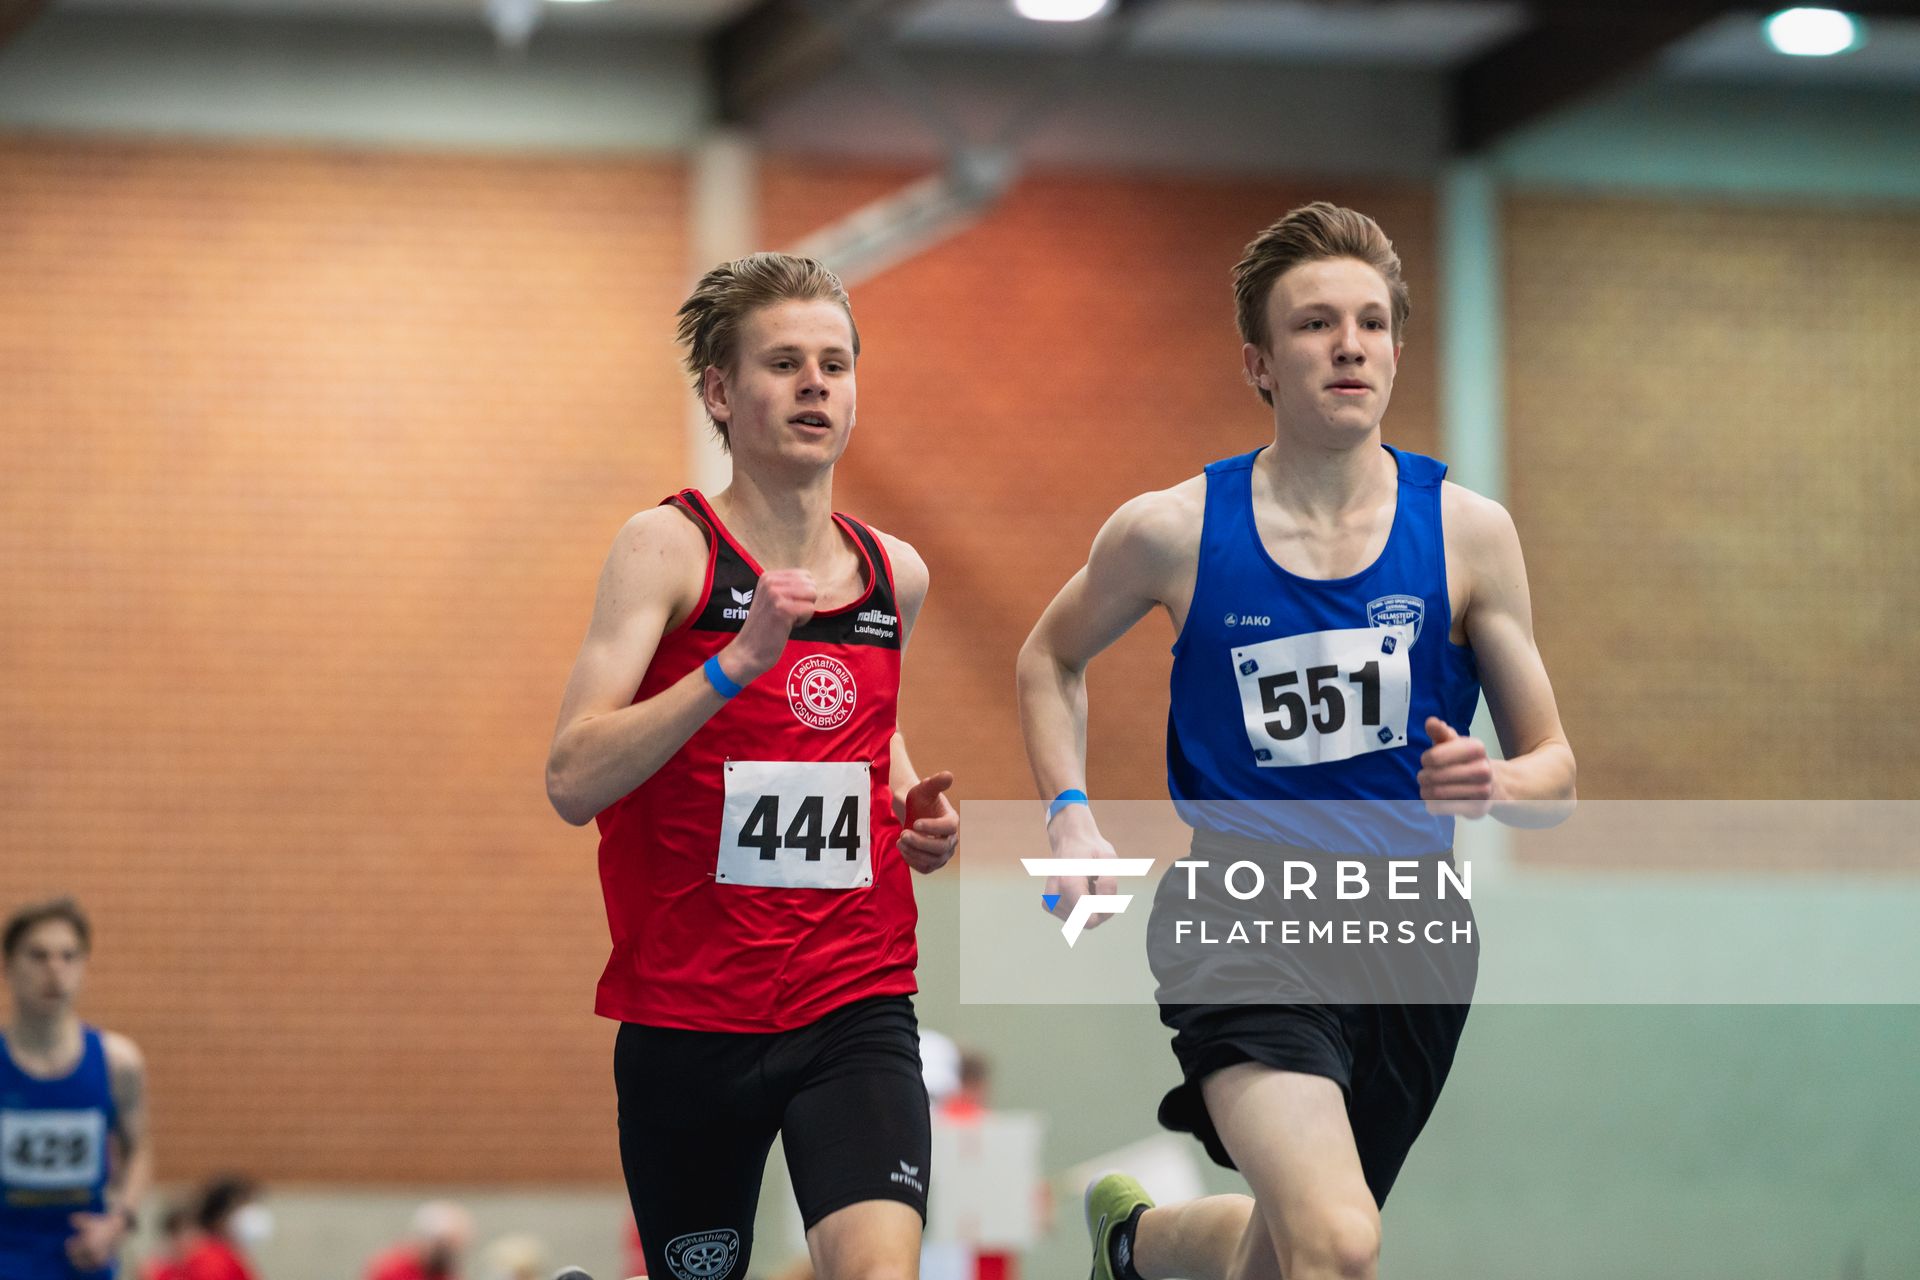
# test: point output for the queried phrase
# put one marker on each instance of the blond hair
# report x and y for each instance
(1309, 234)
(711, 318)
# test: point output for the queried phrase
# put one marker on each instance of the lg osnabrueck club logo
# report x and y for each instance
(1112, 903)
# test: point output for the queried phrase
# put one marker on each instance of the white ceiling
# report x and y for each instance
(1413, 33)
(691, 17)
(1423, 34)
(1734, 49)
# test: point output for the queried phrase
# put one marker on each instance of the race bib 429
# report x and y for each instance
(51, 1149)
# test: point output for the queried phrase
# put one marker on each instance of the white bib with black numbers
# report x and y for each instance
(793, 825)
(1325, 695)
(48, 1150)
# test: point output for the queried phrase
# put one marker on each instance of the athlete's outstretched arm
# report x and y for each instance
(932, 824)
(605, 744)
(1535, 785)
(1143, 556)
(97, 1237)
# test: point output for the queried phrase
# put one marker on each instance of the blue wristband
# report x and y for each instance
(1072, 795)
(718, 678)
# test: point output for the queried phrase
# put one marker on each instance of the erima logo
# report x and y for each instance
(741, 600)
(910, 1175)
(1089, 903)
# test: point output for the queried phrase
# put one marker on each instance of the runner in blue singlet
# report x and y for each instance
(74, 1160)
(1338, 607)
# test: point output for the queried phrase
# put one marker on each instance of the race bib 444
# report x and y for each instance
(795, 825)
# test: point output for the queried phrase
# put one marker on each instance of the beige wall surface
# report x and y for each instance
(1715, 476)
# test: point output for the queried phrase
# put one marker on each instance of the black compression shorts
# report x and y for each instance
(699, 1111)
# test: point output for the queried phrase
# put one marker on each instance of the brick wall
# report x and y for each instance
(1715, 473)
(311, 458)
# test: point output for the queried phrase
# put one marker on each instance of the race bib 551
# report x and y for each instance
(1325, 695)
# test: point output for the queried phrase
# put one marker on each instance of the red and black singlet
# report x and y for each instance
(753, 883)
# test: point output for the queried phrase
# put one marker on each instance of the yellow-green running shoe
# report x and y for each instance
(1110, 1202)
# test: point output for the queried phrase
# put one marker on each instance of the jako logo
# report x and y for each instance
(741, 599)
(1088, 903)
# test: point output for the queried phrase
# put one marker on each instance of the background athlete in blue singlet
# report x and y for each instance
(1338, 607)
(74, 1160)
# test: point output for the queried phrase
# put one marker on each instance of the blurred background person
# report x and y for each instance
(436, 1244)
(177, 1234)
(517, 1257)
(634, 1251)
(74, 1162)
(968, 1100)
(233, 1223)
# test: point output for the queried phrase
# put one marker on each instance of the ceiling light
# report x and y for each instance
(1060, 10)
(1813, 33)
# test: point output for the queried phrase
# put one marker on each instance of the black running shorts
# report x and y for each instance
(1382, 1022)
(1390, 1060)
(699, 1111)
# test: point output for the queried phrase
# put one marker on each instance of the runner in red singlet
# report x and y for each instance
(731, 723)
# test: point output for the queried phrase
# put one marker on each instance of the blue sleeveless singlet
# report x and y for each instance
(1299, 705)
(53, 1160)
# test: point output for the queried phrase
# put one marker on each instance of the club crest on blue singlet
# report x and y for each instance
(1397, 611)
